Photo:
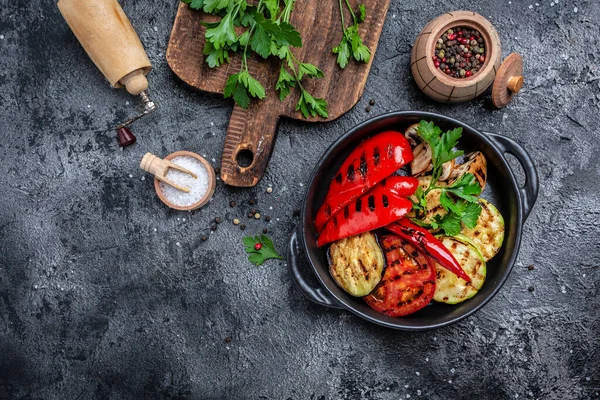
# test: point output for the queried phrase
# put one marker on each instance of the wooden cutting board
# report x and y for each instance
(251, 132)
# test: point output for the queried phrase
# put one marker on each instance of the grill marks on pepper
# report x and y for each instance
(363, 168)
(371, 201)
(384, 200)
(327, 210)
(338, 178)
(350, 173)
(376, 155)
(358, 205)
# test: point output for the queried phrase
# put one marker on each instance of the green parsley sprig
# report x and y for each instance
(265, 251)
(267, 32)
(351, 44)
(459, 199)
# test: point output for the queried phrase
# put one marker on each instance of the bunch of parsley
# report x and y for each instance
(459, 199)
(351, 44)
(266, 30)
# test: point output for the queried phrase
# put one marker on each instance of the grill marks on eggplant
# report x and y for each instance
(356, 263)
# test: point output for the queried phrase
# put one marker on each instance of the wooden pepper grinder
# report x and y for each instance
(108, 38)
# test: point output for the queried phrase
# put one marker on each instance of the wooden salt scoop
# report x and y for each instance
(159, 168)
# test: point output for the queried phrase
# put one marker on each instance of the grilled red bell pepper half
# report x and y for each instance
(424, 240)
(369, 163)
(373, 210)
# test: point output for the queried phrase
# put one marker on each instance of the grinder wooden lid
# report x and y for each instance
(509, 80)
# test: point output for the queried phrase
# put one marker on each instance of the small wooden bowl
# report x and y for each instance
(439, 86)
(212, 182)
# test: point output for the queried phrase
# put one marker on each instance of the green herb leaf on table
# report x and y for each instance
(351, 43)
(309, 106)
(285, 82)
(343, 53)
(266, 252)
(222, 34)
(241, 86)
(362, 13)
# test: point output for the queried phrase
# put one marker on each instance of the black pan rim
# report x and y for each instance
(424, 115)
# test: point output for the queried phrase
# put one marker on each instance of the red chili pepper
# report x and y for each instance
(423, 239)
(369, 163)
(375, 209)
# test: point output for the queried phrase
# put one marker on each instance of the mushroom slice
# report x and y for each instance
(412, 136)
(475, 164)
(447, 169)
(422, 161)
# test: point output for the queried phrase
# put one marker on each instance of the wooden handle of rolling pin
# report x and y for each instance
(108, 38)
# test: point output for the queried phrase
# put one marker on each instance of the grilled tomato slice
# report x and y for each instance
(408, 283)
(356, 263)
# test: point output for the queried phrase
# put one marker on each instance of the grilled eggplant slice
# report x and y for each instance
(356, 263)
(451, 289)
(474, 163)
(488, 234)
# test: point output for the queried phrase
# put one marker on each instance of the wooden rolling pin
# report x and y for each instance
(108, 38)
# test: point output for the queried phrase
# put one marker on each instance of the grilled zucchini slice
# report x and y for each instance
(488, 234)
(356, 263)
(434, 207)
(451, 289)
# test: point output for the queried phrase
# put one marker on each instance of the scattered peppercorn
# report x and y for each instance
(218, 220)
(267, 218)
(531, 268)
(368, 108)
(269, 190)
(232, 203)
(227, 339)
(454, 52)
(242, 226)
(372, 102)
(265, 230)
(213, 227)
(250, 214)
(204, 238)
(257, 216)
(236, 221)
(251, 201)
(531, 288)
(296, 213)
(217, 170)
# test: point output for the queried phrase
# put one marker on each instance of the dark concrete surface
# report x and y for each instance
(107, 294)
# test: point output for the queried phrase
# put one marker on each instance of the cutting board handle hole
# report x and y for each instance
(244, 158)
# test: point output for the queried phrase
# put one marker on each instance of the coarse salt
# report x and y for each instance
(198, 187)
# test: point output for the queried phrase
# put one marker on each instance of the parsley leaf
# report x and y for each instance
(241, 86)
(441, 144)
(222, 34)
(215, 57)
(266, 252)
(351, 42)
(195, 4)
(272, 7)
(308, 105)
(285, 82)
(362, 13)
(211, 6)
(343, 52)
